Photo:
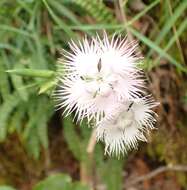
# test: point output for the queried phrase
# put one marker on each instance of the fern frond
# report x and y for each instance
(97, 9)
(6, 108)
(42, 127)
(18, 84)
(16, 119)
(4, 83)
(39, 113)
(32, 143)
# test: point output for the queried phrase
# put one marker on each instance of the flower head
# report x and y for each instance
(98, 74)
(102, 81)
(126, 125)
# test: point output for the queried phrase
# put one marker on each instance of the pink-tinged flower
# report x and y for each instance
(98, 74)
(126, 125)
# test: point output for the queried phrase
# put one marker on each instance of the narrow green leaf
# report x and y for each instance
(170, 22)
(139, 15)
(32, 73)
(63, 26)
(47, 86)
(156, 48)
(179, 31)
(15, 30)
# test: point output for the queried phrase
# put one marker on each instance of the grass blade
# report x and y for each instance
(156, 48)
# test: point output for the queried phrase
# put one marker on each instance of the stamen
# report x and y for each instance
(99, 65)
(82, 77)
(111, 86)
(96, 93)
(130, 105)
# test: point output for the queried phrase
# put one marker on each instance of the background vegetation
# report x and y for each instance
(39, 149)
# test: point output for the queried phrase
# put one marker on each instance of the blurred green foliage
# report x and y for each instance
(31, 34)
(55, 182)
(59, 182)
(6, 188)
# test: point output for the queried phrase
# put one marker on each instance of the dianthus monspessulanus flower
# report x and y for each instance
(127, 124)
(101, 81)
(98, 74)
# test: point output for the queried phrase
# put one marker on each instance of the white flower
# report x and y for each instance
(98, 74)
(126, 125)
(101, 80)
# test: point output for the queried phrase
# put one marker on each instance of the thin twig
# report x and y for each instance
(92, 142)
(123, 19)
(181, 168)
(87, 171)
